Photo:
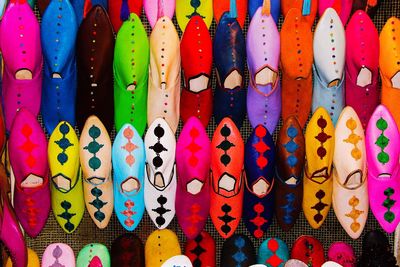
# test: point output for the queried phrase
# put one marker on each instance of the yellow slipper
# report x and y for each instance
(33, 260)
(160, 246)
(186, 9)
(320, 143)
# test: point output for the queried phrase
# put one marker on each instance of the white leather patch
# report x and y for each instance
(56, 75)
(291, 181)
(396, 80)
(62, 183)
(266, 76)
(364, 77)
(131, 184)
(32, 181)
(194, 187)
(159, 180)
(131, 87)
(227, 183)
(233, 80)
(198, 84)
(260, 188)
(23, 75)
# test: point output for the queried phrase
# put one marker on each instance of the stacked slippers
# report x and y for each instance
(23, 62)
(342, 7)
(275, 6)
(131, 60)
(58, 32)
(237, 8)
(160, 246)
(127, 250)
(187, 9)
(263, 52)
(201, 250)
(155, 9)
(308, 9)
(120, 11)
(94, 254)
(58, 254)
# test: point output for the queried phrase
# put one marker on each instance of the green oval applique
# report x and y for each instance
(389, 203)
(382, 142)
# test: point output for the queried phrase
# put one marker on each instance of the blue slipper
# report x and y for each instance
(58, 36)
(273, 252)
(128, 163)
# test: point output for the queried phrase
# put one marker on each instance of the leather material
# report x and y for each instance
(95, 254)
(317, 193)
(229, 41)
(164, 74)
(28, 158)
(376, 250)
(350, 190)
(296, 66)
(120, 11)
(295, 263)
(155, 9)
(193, 168)
(275, 6)
(264, 91)
(10, 232)
(342, 253)
(308, 9)
(95, 50)
(290, 159)
(342, 7)
(201, 250)
(259, 165)
(369, 6)
(196, 56)
(66, 187)
(160, 246)
(177, 261)
(362, 92)
(309, 250)
(186, 10)
(383, 151)
(131, 60)
(127, 250)
(58, 34)
(389, 65)
(128, 168)
(58, 253)
(227, 178)
(160, 176)
(238, 9)
(23, 61)
(238, 250)
(273, 252)
(328, 69)
(33, 260)
(95, 158)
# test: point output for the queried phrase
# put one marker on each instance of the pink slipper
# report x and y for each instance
(383, 150)
(342, 7)
(193, 167)
(57, 255)
(342, 253)
(23, 61)
(155, 9)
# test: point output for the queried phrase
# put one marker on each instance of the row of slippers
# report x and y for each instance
(162, 249)
(95, 65)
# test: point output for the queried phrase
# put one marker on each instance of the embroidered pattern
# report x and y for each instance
(57, 253)
(226, 219)
(66, 215)
(63, 144)
(93, 147)
(198, 250)
(389, 203)
(353, 139)
(309, 252)
(129, 146)
(258, 221)
(194, 218)
(31, 211)
(225, 145)
(239, 256)
(98, 204)
(289, 208)
(291, 146)
(193, 147)
(129, 213)
(195, 4)
(161, 210)
(382, 142)
(322, 137)
(95, 262)
(354, 214)
(158, 147)
(261, 147)
(274, 260)
(28, 146)
(319, 206)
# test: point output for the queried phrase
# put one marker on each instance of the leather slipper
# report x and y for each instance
(164, 74)
(369, 6)
(295, 263)
(230, 94)
(227, 178)
(187, 9)
(160, 246)
(155, 9)
(383, 150)
(177, 261)
(376, 250)
(131, 72)
(33, 260)
(127, 250)
(309, 250)
(273, 252)
(95, 158)
(308, 9)
(58, 254)
(201, 250)
(94, 254)
(94, 53)
(128, 158)
(317, 192)
(362, 60)
(238, 9)
(259, 164)
(290, 149)
(196, 56)
(67, 201)
(264, 90)
(342, 253)
(342, 7)
(120, 11)
(275, 6)
(238, 251)
(350, 190)
(296, 66)
(160, 175)
(328, 69)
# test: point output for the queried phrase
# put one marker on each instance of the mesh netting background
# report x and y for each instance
(330, 231)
